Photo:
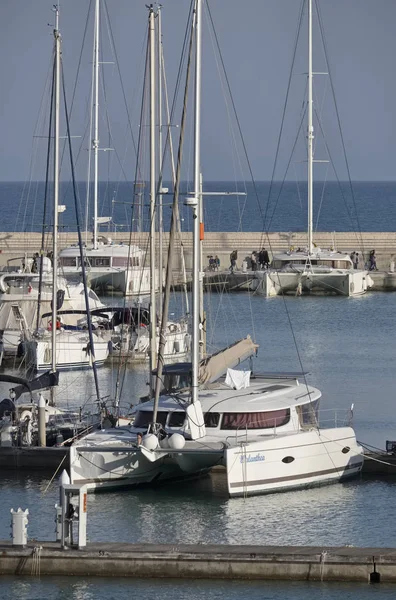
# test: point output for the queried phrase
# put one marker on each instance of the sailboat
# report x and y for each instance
(55, 347)
(263, 429)
(311, 269)
(115, 266)
(19, 295)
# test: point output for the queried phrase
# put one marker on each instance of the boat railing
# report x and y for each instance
(243, 431)
(334, 417)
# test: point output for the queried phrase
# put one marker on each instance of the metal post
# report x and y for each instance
(196, 216)
(153, 315)
(310, 134)
(56, 189)
(95, 141)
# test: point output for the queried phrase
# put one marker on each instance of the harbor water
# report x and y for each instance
(348, 347)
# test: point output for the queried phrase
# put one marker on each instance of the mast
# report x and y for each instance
(196, 209)
(56, 189)
(310, 133)
(95, 141)
(153, 314)
(160, 215)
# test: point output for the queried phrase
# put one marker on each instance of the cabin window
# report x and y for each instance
(308, 413)
(102, 262)
(86, 262)
(68, 262)
(259, 420)
(135, 261)
(120, 261)
(145, 417)
(277, 264)
(211, 419)
(177, 419)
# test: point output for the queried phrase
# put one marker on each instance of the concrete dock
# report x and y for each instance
(15, 245)
(198, 561)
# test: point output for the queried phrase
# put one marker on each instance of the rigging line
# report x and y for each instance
(76, 78)
(284, 114)
(241, 210)
(80, 243)
(47, 167)
(173, 109)
(28, 184)
(339, 122)
(250, 168)
(169, 266)
(122, 366)
(357, 233)
(287, 169)
(119, 74)
(321, 199)
(54, 475)
(235, 111)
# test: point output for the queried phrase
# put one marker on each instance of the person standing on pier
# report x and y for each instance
(233, 260)
(356, 260)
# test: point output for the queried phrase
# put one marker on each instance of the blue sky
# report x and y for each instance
(256, 38)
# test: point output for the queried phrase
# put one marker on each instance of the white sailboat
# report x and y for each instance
(19, 294)
(55, 347)
(311, 269)
(117, 266)
(264, 429)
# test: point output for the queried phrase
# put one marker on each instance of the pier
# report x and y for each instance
(196, 561)
(15, 245)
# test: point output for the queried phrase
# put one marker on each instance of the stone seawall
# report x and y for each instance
(14, 246)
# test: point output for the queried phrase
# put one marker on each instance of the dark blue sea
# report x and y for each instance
(361, 206)
(348, 346)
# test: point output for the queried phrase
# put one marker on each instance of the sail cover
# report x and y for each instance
(216, 365)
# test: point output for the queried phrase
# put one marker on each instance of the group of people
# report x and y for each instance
(258, 260)
(214, 263)
(372, 262)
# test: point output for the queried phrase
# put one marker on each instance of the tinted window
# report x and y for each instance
(211, 419)
(145, 417)
(177, 419)
(260, 420)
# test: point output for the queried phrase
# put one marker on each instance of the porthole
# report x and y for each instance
(288, 459)
(345, 450)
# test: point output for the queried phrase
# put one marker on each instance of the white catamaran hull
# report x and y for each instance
(343, 283)
(271, 464)
(287, 462)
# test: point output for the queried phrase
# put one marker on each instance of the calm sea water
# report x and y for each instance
(349, 347)
(366, 206)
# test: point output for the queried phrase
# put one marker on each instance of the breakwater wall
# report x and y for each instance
(14, 246)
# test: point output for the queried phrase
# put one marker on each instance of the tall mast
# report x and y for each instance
(310, 134)
(160, 215)
(197, 194)
(95, 141)
(153, 314)
(56, 187)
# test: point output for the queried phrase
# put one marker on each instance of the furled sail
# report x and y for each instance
(216, 365)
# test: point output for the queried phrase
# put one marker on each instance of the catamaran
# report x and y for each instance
(311, 269)
(263, 429)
